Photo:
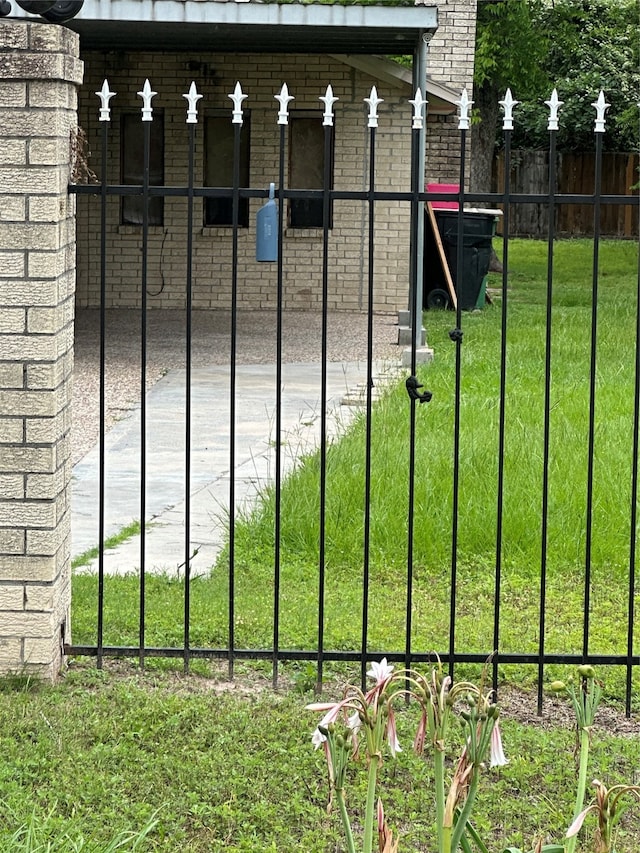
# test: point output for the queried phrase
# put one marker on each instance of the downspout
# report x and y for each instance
(420, 82)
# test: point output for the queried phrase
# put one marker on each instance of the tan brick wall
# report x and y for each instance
(261, 77)
(40, 74)
(450, 61)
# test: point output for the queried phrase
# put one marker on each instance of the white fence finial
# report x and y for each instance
(554, 105)
(373, 100)
(328, 99)
(507, 105)
(105, 95)
(465, 105)
(147, 94)
(418, 103)
(192, 98)
(601, 107)
(283, 99)
(237, 97)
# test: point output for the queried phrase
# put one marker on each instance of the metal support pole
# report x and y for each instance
(417, 228)
(420, 72)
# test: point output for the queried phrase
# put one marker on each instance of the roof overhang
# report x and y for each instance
(251, 27)
(442, 99)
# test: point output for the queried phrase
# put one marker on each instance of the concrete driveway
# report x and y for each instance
(211, 463)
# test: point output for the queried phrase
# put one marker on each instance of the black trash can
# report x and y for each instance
(478, 229)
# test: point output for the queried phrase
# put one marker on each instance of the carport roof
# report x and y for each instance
(251, 27)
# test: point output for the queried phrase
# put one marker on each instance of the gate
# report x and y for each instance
(590, 573)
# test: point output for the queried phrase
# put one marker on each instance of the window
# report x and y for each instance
(306, 169)
(218, 168)
(132, 166)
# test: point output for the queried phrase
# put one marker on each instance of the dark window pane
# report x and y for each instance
(132, 166)
(306, 169)
(218, 168)
(305, 213)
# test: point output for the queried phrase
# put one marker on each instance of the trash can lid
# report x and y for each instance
(485, 211)
(450, 189)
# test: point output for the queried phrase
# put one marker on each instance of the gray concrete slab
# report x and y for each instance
(253, 464)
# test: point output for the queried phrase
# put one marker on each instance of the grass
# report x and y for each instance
(43, 834)
(479, 439)
(107, 752)
(96, 760)
(478, 497)
(127, 532)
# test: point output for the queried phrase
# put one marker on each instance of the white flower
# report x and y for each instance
(354, 722)
(318, 738)
(380, 671)
(332, 712)
(497, 756)
(392, 734)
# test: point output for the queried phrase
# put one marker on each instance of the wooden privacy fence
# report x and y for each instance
(530, 175)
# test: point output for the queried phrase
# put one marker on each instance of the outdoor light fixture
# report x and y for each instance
(56, 11)
(36, 7)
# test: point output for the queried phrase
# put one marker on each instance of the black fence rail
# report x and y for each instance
(415, 197)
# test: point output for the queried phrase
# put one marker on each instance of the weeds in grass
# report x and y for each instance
(24, 682)
(43, 835)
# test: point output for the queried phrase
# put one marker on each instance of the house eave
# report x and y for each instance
(442, 100)
(241, 27)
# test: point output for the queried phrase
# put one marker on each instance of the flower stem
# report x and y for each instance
(346, 823)
(582, 784)
(482, 847)
(446, 839)
(465, 812)
(438, 767)
(370, 809)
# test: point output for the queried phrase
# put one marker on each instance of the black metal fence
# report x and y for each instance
(415, 197)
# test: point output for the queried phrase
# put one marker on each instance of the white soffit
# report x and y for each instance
(251, 26)
(442, 99)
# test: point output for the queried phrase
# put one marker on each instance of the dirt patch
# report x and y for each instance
(556, 712)
(250, 680)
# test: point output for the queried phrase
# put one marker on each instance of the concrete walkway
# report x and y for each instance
(211, 466)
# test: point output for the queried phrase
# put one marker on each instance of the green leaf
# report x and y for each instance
(471, 830)
(546, 848)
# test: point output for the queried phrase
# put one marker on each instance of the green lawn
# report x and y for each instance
(523, 460)
(106, 752)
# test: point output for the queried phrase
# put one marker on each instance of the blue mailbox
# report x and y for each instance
(267, 229)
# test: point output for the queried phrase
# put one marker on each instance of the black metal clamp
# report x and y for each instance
(412, 385)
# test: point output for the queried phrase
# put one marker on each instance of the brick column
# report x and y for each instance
(39, 75)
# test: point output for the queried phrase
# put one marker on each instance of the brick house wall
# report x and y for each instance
(452, 46)
(451, 53)
(261, 77)
(450, 62)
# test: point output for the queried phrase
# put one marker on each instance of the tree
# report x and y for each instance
(510, 51)
(594, 47)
